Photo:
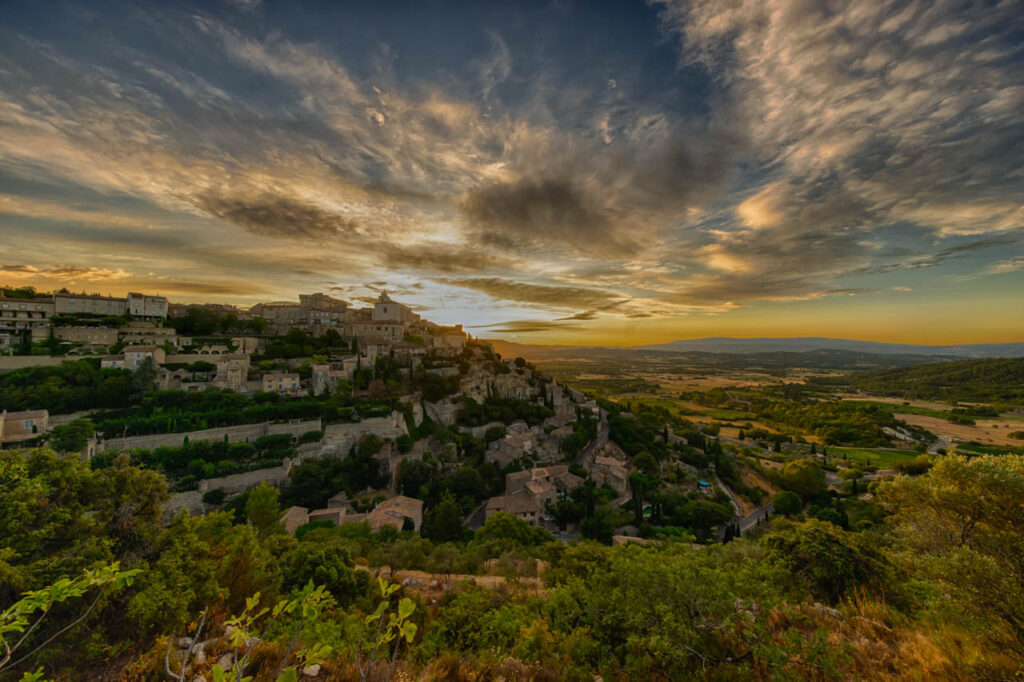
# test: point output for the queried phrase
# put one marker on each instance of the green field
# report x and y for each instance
(905, 409)
(877, 457)
(973, 448)
(674, 407)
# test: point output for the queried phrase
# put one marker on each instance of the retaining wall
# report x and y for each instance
(9, 363)
(236, 434)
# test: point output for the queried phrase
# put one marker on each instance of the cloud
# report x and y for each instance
(439, 257)
(526, 327)
(540, 294)
(1009, 265)
(68, 273)
(495, 68)
(278, 216)
(547, 211)
(940, 257)
(585, 315)
(911, 108)
(798, 144)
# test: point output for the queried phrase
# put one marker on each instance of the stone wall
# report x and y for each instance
(235, 434)
(9, 363)
(391, 426)
(239, 483)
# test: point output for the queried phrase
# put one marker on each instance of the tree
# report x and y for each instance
(444, 522)
(262, 509)
(414, 478)
(831, 562)
(787, 503)
(703, 515)
(326, 564)
(19, 622)
(447, 559)
(598, 527)
(73, 436)
(962, 525)
(504, 526)
(805, 477)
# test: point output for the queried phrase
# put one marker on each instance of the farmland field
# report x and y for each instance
(878, 457)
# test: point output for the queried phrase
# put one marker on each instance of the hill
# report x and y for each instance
(643, 357)
(799, 344)
(991, 381)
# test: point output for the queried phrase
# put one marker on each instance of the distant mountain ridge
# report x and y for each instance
(725, 344)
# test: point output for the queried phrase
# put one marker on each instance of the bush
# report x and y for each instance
(787, 503)
(215, 496)
(311, 437)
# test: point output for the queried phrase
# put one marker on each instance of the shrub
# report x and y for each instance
(215, 496)
(311, 437)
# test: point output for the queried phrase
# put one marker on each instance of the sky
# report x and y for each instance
(585, 173)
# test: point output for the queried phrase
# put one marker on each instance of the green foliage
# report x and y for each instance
(961, 526)
(328, 565)
(444, 522)
(304, 611)
(311, 437)
(787, 503)
(262, 509)
(996, 380)
(73, 436)
(392, 627)
(805, 477)
(506, 410)
(828, 560)
(504, 526)
(19, 621)
(68, 387)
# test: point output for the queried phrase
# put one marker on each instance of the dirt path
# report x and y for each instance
(436, 584)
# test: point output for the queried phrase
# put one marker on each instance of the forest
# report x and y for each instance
(998, 380)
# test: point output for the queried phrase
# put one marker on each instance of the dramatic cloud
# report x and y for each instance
(554, 296)
(278, 216)
(587, 175)
(69, 273)
(912, 108)
(546, 211)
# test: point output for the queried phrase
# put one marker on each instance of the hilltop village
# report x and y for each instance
(315, 380)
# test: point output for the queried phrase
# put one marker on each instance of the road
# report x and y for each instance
(732, 496)
(750, 521)
(586, 456)
(940, 444)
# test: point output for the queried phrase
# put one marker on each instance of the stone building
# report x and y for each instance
(146, 307)
(387, 310)
(21, 426)
(20, 316)
(282, 382)
(74, 304)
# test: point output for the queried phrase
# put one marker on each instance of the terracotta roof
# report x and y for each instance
(293, 517)
(519, 503)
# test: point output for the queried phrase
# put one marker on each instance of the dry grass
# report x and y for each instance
(983, 431)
